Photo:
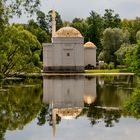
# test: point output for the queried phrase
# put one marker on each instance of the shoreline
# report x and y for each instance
(39, 75)
(86, 74)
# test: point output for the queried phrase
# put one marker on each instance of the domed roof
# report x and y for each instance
(69, 113)
(89, 99)
(89, 45)
(68, 32)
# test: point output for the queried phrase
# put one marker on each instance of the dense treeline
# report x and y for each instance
(117, 40)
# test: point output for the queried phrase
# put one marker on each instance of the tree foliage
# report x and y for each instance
(122, 51)
(138, 36)
(81, 25)
(19, 6)
(19, 105)
(132, 59)
(133, 26)
(35, 29)
(19, 51)
(42, 21)
(110, 20)
(95, 29)
(132, 104)
(112, 41)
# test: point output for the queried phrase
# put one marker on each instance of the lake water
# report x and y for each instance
(67, 108)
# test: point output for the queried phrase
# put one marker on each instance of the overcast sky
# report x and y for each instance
(69, 9)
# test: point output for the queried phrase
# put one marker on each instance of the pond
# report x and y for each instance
(67, 107)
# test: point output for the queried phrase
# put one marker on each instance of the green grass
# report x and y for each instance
(104, 71)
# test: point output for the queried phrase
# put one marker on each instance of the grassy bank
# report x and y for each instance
(105, 71)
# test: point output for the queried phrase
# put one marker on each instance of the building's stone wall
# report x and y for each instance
(48, 55)
(90, 56)
(68, 92)
(64, 69)
(64, 54)
(90, 86)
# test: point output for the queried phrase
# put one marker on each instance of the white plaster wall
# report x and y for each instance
(63, 92)
(57, 54)
(60, 57)
(90, 56)
(72, 44)
(90, 87)
(48, 90)
(48, 55)
(68, 40)
(79, 55)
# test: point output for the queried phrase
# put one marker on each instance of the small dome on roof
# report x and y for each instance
(89, 45)
(89, 99)
(68, 32)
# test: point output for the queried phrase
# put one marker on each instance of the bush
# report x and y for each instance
(111, 65)
(103, 65)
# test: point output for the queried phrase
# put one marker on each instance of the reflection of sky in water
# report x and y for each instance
(79, 129)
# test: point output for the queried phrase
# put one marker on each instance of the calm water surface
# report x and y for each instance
(67, 107)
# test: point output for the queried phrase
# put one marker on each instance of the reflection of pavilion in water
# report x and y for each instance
(67, 95)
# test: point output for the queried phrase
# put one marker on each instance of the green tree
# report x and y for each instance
(133, 26)
(138, 35)
(18, 107)
(8, 8)
(19, 6)
(42, 35)
(95, 29)
(35, 29)
(132, 104)
(111, 20)
(19, 51)
(42, 21)
(112, 41)
(122, 51)
(81, 25)
(132, 59)
(66, 23)
(3, 17)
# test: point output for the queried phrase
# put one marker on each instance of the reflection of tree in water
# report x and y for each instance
(18, 106)
(46, 115)
(123, 81)
(132, 104)
(114, 90)
(111, 117)
(96, 115)
(42, 116)
(50, 119)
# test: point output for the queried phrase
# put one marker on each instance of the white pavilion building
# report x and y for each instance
(67, 51)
